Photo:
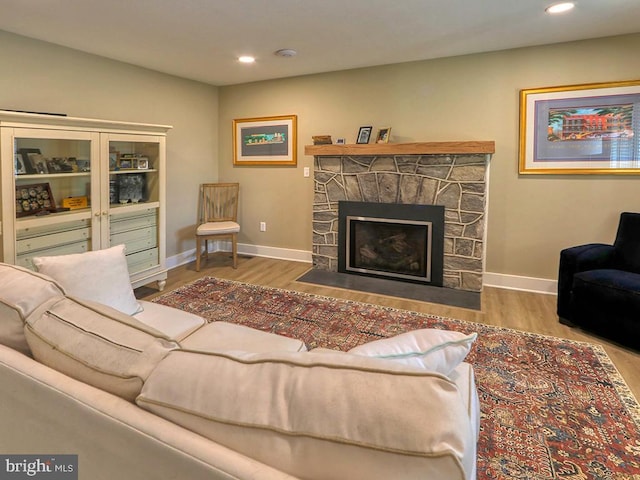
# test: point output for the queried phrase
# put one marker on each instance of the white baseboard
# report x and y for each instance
(498, 280)
(525, 284)
(243, 249)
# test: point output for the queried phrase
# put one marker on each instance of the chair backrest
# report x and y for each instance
(627, 243)
(218, 202)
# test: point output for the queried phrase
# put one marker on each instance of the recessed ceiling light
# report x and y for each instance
(246, 59)
(560, 7)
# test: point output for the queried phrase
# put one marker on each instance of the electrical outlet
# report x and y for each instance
(263, 226)
(306, 171)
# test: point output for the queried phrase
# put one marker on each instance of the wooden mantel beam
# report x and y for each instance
(416, 148)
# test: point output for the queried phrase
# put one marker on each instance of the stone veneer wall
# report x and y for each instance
(459, 182)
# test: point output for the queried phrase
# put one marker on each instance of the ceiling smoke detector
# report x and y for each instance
(286, 52)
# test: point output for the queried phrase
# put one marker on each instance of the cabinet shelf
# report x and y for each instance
(47, 176)
(133, 170)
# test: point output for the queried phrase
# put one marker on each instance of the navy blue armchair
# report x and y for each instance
(599, 285)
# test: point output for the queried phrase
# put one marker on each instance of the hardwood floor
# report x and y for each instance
(527, 311)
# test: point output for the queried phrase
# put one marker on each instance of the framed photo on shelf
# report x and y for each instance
(125, 163)
(26, 160)
(34, 199)
(19, 165)
(383, 135)
(580, 129)
(265, 140)
(364, 134)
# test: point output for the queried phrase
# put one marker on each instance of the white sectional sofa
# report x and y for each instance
(162, 394)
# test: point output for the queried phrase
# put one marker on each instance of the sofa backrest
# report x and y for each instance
(96, 344)
(627, 243)
(319, 416)
(21, 292)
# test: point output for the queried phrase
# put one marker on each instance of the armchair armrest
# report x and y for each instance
(573, 260)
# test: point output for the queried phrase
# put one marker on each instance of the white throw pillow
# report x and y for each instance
(436, 350)
(100, 276)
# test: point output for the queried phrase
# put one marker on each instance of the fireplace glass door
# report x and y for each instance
(389, 247)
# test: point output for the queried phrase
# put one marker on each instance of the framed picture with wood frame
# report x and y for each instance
(580, 129)
(265, 141)
(383, 135)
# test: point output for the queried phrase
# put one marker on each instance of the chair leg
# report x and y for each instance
(198, 253)
(234, 248)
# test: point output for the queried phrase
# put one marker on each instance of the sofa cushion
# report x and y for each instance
(437, 350)
(21, 292)
(319, 416)
(95, 344)
(175, 324)
(101, 276)
(217, 336)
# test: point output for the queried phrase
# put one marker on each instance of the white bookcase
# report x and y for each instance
(71, 185)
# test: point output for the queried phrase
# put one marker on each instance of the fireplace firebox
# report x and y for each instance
(395, 241)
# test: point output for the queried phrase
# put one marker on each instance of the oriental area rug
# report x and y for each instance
(551, 408)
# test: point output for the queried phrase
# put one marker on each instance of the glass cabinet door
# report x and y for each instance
(54, 193)
(136, 164)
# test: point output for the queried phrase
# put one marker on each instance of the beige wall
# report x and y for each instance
(42, 77)
(462, 98)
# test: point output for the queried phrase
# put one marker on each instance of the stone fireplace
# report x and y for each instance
(453, 175)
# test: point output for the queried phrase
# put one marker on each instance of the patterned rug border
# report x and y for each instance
(621, 386)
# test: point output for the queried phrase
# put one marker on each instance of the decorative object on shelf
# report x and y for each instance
(364, 134)
(58, 165)
(113, 191)
(74, 203)
(142, 163)
(322, 139)
(383, 135)
(265, 140)
(131, 188)
(113, 160)
(83, 165)
(34, 199)
(341, 141)
(580, 129)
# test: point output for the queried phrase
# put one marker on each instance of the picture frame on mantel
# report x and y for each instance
(580, 129)
(265, 141)
(383, 135)
(364, 134)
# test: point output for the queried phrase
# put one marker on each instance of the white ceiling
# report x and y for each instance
(200, 39)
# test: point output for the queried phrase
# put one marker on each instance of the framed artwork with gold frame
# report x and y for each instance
(265, 140)
(580, 129)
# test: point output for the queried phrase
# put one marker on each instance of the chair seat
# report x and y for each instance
(216, 228)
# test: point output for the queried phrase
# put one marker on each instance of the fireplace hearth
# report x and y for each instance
(396, 241)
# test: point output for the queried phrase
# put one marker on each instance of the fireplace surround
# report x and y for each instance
(451, 174)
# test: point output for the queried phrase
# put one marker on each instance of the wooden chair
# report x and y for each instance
(217, 217)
